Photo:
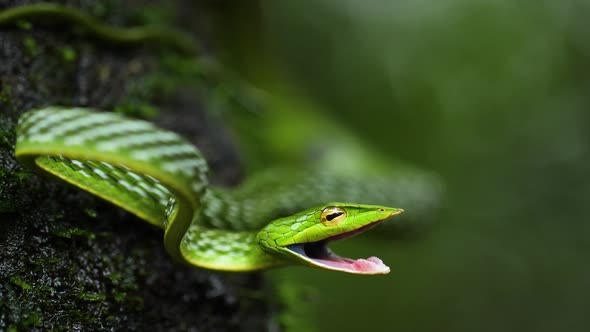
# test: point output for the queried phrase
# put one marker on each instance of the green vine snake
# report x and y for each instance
(270, 220)
(278, 217)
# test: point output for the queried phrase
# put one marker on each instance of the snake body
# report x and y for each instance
(273, 219)
(277, 217)
(125, 36)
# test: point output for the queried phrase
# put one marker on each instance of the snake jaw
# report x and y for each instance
(318, 254)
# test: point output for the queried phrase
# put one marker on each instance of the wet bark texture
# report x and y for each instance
(69, 261)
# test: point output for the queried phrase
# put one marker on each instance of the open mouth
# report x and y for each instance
(319, 254)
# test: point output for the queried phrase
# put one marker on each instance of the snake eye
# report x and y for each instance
(332, 215)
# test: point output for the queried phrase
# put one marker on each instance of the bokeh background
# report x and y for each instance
(494, 96)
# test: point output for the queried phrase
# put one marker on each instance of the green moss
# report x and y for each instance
(114, 277)
(68, 54)
(74, 231)
(46, 289)
(31, 47)
(29, 320)
(46, 261)
(119, 297)
(92, 297)
(104, 73)
(5, 93)
(90, 212)
(20, 282)
(24, 25)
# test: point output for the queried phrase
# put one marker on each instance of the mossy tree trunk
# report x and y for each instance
(69, 261)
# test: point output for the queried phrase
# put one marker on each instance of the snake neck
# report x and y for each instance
(226, 250)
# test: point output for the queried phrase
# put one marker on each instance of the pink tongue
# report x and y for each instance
(371, 265)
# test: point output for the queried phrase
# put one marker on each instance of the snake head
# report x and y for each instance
(303, 237)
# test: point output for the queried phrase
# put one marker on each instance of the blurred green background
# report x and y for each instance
(492, 95)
